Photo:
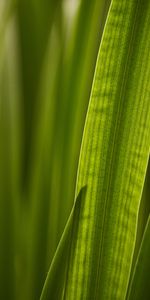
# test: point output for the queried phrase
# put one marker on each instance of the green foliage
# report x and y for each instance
(48, 55)
(114, 157)
(56, 277)
(140, 287)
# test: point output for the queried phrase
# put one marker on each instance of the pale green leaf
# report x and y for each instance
(114, 157)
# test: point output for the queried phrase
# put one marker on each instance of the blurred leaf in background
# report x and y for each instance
(47, 69)
(48, 52)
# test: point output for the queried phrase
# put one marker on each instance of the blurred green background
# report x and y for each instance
(48, 52)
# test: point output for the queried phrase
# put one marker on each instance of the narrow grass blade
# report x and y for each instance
(35, 21)
(41, 173)
(10, 126)
(114, 157)
(79, 66)
(144, 211)
(140, 283)
(53, 288)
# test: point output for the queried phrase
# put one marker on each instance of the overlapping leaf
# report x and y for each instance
(140, 287)
(54, 284)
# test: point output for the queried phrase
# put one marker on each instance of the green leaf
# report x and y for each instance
(114, 157)
(42, 177)
(79, 66)
(10, 146)
(53, 287)
(140, 284)
(144, 211)
(35, 21)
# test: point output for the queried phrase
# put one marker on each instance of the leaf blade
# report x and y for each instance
(53, 287)
(140, 288)
(114, 156)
